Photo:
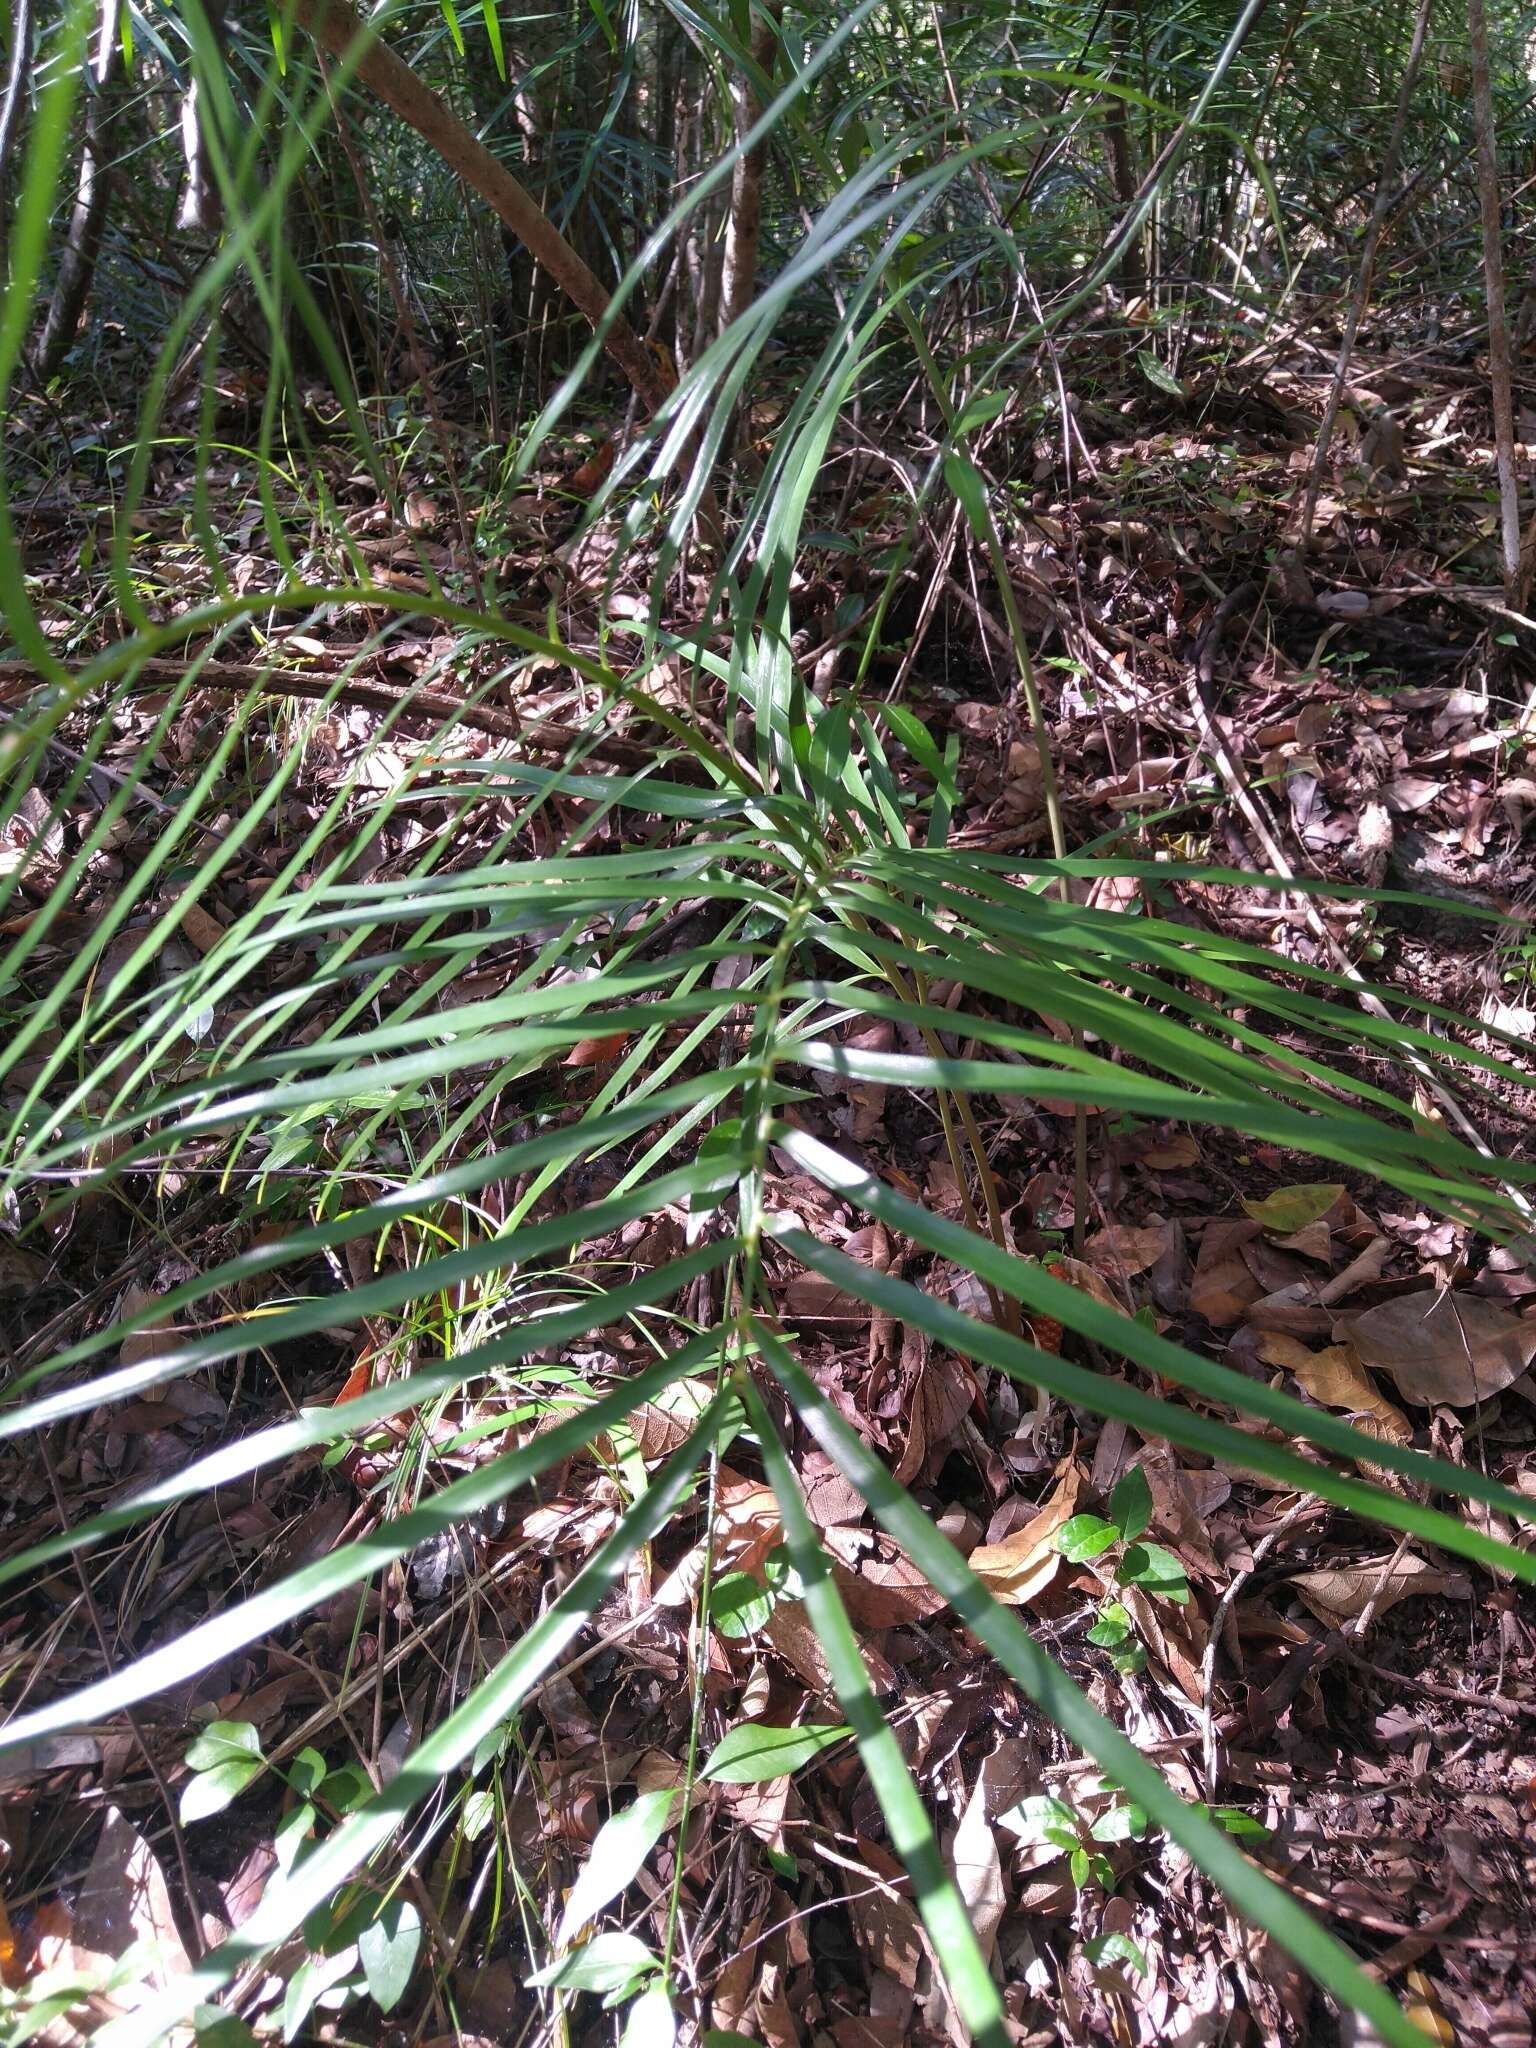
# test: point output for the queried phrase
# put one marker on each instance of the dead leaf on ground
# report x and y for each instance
(979, 1871)
(1335, 1379)
(1175, 1637)
(1167, 1155)
(1289, 1210)
(1125, 1249)
(1452, 1348)
(1087, 1280)
(1223, 1285)
(125, 1899)
(1020, 1568)
(150, 1342)
(1340, 1593)
(880, 1585)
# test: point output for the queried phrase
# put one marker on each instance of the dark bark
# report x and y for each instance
(744, 223)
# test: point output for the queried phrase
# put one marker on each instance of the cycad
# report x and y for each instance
(813, 842)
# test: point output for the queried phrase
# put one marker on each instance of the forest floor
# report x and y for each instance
(1355, 711)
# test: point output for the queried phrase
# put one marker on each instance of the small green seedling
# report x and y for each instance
(1045, 1818)
(374, 1947)
(1082, 1837)
(1148, 1566)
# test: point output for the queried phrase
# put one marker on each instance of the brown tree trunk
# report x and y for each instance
(77, 264)
(336, 27)
(1117, 145)
(744, 223)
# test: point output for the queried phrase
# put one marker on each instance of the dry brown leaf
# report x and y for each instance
(792, 1636)
(1087, 1280)
(596, 1052)
(1438, 1347)
(978, 1870)
(200, 927)
(1169, 1154)
(1020, 1568)
(1340, 1593)
(125, 1899)
(1334, 1378)
(150, 1342)
(1223, 1286)
(1124, 1249)
(881, 1587)
(814, 1299)
(1175, 1637)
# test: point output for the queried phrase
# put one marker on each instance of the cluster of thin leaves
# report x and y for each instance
(835, 898)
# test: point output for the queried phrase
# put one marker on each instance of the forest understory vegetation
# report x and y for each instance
(766, 1235)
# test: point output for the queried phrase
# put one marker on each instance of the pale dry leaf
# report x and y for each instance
(1125, 1249)
(1335, 1378)
(880, 1585)
(1223, 1286)
(813, 1299)
(1167, 1155)
(150, 1342)
(1340, 1593)
(978, 1870)
(1439, 1347)
(203, 929)
(1020, 1568)
(125, 1899)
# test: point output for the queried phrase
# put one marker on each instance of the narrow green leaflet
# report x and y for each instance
(755, 1752)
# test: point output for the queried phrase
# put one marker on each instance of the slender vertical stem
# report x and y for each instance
(1385, 183)
(1499, 369)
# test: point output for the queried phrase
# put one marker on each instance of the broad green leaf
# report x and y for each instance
(618, 1851)
(612, 1963)
(651, 2021)
(223, 1742)
(739, 1604)
(1236, 1822)
(1157, 373)
(387, 1948)
(1104, 1949)
(211, 1791)
(1288, 1210)
(215, 2029)
(307, 1772)
(755, 1751)
(291, 1833)
(1041, 1818)
(1120, 1824)
(1155, 1570)
(1130, 1505)
(477, 1814)
(1112, 1627)
(1085, 1536)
